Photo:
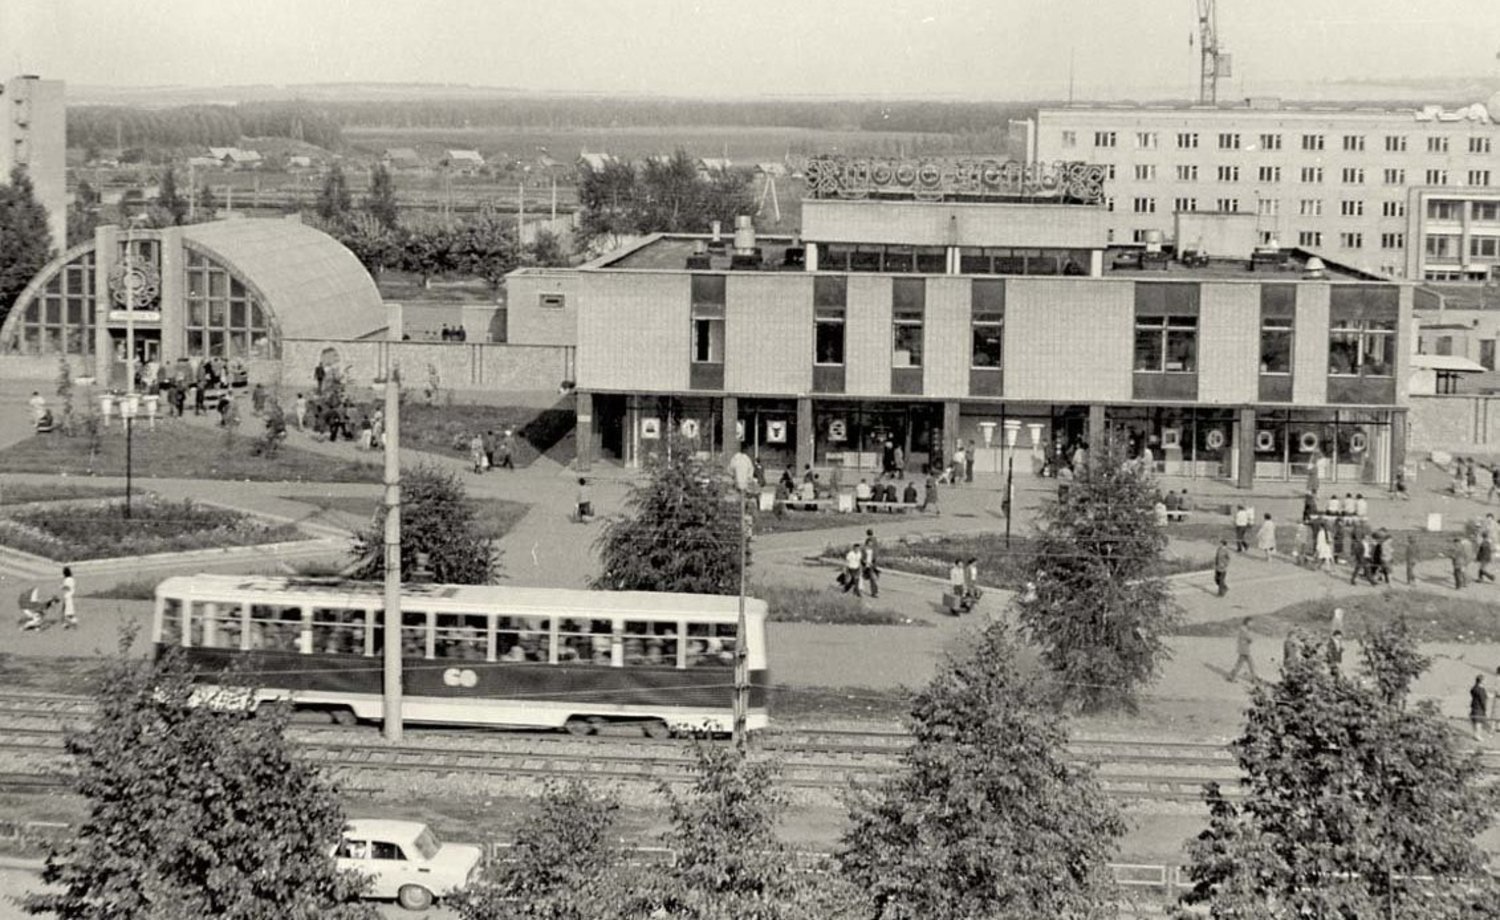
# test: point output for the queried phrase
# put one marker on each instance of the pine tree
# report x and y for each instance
(1101, 609)
(438, 520)
(683, 534)
(987, 815)
(25, 241)
(381, 202)
(169, 199)
(334, 200)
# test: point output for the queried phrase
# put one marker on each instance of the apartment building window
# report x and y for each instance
(708, 318)
(1145, 140)
(1437, 177)
(1229, 174)
(1485, 246)
(1109, 204)
(1363, 348)
(1187, 173)
(1486, 210)
(1352, 208)
(1276, 344)
(1229, 141)
(1443, 246)
(1109, 172)
(1269, 174)
(1312, 174)
(1104, 138)
(1185, 204)
(1392, 241)
(1070, 138)
(830, 304)
(1268, 207)
(1352, 240)
(1270, 142)
(1166, 344)
(1266, 237)
(1437, 145)
(1145, 172)
(1310, 238)
(1228, 205)
(1310, 207)
(987, 307)
(1479, 145)
(908, 304)
(1187, 140)
(1395, 143)
(1444, 210)
(1393, 209)
(1138, 235)
(1394, 177)
(1354, 175)
(1145, 206)
(1354, 143)
(1479, 177)
(1444, 345)
(1312, 142)
(1487, 356)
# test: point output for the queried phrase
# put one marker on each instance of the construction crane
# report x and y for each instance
(1214, 62)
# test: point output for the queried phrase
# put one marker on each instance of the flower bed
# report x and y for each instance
(100, 530)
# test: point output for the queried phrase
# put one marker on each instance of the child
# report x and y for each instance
(1411, 558)
(585, 504)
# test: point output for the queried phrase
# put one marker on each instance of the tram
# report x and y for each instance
(473, 655)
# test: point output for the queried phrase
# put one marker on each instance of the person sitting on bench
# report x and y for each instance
(910, 495)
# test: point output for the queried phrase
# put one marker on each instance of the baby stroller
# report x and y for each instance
(34, 610)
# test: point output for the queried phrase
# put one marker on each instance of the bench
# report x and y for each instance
(808, 504)
(1176, 514)
(892, 507)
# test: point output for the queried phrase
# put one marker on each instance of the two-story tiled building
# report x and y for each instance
(928, 303)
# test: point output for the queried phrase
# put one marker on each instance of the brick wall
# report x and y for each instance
(1464, 424)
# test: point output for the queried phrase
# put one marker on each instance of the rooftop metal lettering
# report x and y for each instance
(953, 179)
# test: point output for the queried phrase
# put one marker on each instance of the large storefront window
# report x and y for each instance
(59, 320)
(855, 434)
(1345, 446)
(224, 318)
(1184, 441)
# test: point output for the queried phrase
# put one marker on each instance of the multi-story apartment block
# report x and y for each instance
(1382, 166)
(33, 134)
(916, 309)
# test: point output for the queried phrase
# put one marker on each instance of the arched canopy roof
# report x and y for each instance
(314, 286)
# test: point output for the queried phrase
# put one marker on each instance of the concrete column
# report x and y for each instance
(730, 413)
(173, 324)
(1096, 263)
(106, 238)
(950, 429)
(585, 430)
(1097, 429)
(1246, 446)
(804, 432)
(810, 258)
(1398, 442)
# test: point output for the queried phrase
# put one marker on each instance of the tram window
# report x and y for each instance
(414, 634)
(275, 628)
(461, 636)
(338, 631)
(650, 644)
(377, 632)
(585, 641)
(522, 638)
(710, 645)
(215, 625)
(171, 621)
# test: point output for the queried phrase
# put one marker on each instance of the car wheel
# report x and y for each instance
(414, 897)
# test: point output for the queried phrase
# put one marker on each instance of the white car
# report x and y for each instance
(406, 861)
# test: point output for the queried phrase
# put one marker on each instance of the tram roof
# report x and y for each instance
(538, 601)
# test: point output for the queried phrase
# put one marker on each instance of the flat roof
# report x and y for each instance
(1292, 266)
(671, 251)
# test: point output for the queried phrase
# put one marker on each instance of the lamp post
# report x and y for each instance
(127, 280)
(1012, 430)
(741, 661)
(128, 407)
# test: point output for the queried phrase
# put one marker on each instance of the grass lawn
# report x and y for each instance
(100, 530)
(796, 704)
(496, 516)
(1434, 617)
(22, 493)
(179, 451)
(797, 521)
(447, 430)
(822, 605)
(999, 566)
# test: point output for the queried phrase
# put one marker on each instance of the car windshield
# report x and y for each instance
(427, 843)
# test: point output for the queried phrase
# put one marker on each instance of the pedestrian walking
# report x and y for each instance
(489, 449)
(1291, 649)
(585, 501)
(1324, 548)
(1401, 491)
(1479, 707)
(300, 408)
(1411, 558)
(1484, 555)
(869, 564)
(476, 453)
(38, 404)
(1471, 476)
(1241, 529)
(1336, 622)
(853, 562)
(1309, 506)
(1221, 567)
(1364, 560)
(930, 496)
(1460, 560)
(960, 461)
(1385, 554)
(1301, 545)
(69, 589)
(1242, 643)
(1265, 540)
(1336, 651)
(507, 451)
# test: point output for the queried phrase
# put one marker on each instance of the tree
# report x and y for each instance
(194, 811)
(25, 241)
(546, 250)
(683, 534)
(438, 520)
(561, 866)
(486, 247)
(381, 202)
(988, 815)
(428, 250)
(1353, 807)
(169, 199)
(83, 214)
(334, 200)
(208, 205)
(376, 246)
(1101, 608)
(1392, 658)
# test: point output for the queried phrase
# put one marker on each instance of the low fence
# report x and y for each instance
(457, 365)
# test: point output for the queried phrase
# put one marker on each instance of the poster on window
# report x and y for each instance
(690, 429)
(739, 430)
(838, 431)
(775, 432)
(651, 428)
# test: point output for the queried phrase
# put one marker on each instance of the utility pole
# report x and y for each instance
(391, 708)
(741, 656)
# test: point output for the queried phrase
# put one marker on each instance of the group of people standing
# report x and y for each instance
(486, 451)
(860, 573)
(35, 607)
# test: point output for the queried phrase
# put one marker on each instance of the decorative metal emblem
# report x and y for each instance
(937, 180)
(134, 283)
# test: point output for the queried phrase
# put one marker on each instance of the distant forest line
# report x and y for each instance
(322, 123)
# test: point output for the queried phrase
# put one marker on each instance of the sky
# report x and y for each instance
(977, 49)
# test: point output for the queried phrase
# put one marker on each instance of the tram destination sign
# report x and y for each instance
(934, 179)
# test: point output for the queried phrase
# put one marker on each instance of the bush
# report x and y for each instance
(100, 530)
